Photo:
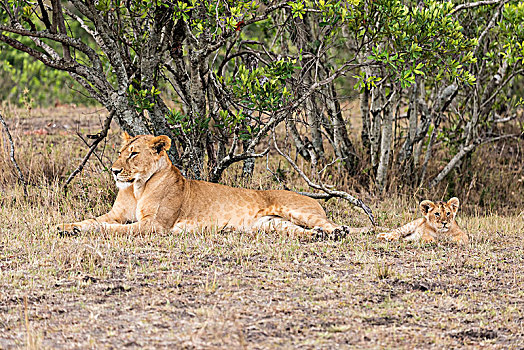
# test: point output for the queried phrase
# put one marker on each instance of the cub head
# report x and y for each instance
(139, 158)
(440, 215)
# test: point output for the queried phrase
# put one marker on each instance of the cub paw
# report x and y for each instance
(386, 236)
(375, 229)
(68, 230)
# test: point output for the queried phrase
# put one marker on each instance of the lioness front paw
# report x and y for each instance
(68, 230)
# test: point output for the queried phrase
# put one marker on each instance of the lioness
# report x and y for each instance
(438, 221)
(154, 196)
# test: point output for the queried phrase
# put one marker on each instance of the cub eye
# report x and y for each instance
(437, 215)
(133, 154)
(448, 213)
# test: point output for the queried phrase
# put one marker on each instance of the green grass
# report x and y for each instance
(236, 290)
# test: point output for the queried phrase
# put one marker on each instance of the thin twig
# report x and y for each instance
(474, 4)
(328, 192)
(12, 155)
(88, 145)
(99, 137)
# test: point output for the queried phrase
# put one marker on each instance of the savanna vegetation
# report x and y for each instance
(382, 102)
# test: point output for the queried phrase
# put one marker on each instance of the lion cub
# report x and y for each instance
(438, 221)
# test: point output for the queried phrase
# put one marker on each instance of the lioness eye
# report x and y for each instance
(133, 154)
(448, 213)
(437, 215)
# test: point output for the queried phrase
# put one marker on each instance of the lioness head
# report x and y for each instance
(440, 215)
(139, 158)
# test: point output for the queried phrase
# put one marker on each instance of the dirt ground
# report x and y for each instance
(223, 289)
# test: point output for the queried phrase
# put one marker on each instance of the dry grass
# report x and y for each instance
(237, 290)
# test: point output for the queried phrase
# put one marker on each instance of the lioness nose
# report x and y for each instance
(116, 171)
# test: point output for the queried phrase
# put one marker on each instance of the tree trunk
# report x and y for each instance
(302, 147)
(376, 125)
(385, 147)
(366, 124)
(341, 142)
(407, 147)
(314, 120)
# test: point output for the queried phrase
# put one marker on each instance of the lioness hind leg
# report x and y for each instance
(320, 226)
(307, 218)
(271, 223)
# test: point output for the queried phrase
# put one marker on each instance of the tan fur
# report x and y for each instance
(439, 221)
(154, 196)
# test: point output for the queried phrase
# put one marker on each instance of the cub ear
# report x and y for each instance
(454, 204)
(161, 143)
(125, 137)
(426, 206)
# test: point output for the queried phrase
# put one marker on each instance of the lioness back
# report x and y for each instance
(221, 205)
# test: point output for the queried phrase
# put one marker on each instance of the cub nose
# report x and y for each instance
(116, 171)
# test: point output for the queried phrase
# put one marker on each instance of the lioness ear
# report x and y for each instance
(125, 137)
(454, 204)
(426, 206)
(161, 143)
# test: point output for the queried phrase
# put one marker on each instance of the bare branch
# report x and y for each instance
(475, 4)
(499, 86)
(45, 16)
(491, 23)
(37, 54)
(12, 155)
(99, 137)
(505, 119)
(58, 20)
(279, 115)
(59, 37)
(218, 43)
(233, 158)
(107, 43)
(332, 193)
(464, 151)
